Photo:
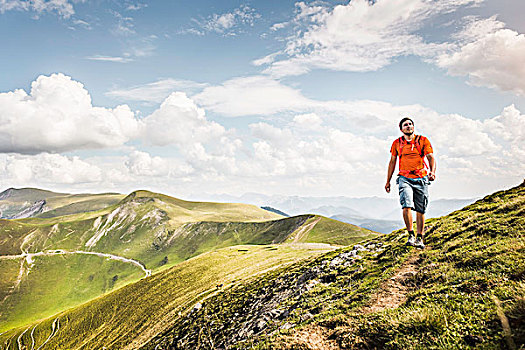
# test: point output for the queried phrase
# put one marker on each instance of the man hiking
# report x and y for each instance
(412, 179)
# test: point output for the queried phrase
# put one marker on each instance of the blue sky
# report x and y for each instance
(275, 97)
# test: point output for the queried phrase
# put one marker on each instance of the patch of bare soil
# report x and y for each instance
(311, 338)
(393, 292)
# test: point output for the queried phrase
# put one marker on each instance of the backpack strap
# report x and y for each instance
(418, 145)
(420, 150)
(401, 143)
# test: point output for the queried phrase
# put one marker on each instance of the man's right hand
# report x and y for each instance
(387, 187)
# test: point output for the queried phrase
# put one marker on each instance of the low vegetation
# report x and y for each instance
(154, 230)
(134, 313)
(467, 292)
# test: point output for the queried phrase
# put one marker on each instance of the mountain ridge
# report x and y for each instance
(155, 230)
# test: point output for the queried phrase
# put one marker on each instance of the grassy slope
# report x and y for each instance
(332, 231)
(474, 257)
(55, 283)
(144, 232)
(79, 203)
(140, 310)
(57, 204)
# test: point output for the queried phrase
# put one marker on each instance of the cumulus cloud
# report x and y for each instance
(255, 95)
(301, 144)
(47, 168)
(308, 121)
(360, 36)
(143, 164)
(156, 91)
(57, 116)
(489, 55)
(180, 121)
(62, 7)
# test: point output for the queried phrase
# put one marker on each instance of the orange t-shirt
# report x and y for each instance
(411, 160)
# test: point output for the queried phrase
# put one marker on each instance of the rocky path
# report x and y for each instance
(393, 291)
(392, 294)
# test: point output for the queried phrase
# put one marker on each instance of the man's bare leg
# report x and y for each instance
(407, 216)
(420, 224)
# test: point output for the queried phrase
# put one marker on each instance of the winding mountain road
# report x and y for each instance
(29, 257)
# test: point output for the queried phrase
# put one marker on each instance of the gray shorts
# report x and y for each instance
(413, 193)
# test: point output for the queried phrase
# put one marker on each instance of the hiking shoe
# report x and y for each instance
(411, 240)
(419, 244)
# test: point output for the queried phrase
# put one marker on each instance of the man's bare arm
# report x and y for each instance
(390, 172)
(432, 164)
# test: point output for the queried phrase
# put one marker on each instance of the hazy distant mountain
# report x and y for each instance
(31, 202)
(375, 213)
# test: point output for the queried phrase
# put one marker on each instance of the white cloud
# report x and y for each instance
(278, 26)
(509, 125)
(143, 164)
(156, 91)
(116, 59)
(57, 116)
(361, 35)
(308, 121)
(229, 23)
(136, 7)
(62, 7)
(47, 168)
(180, 121)
(255, 95)
(125, 25)
(301, 145)
(489, 55)
(84, 24)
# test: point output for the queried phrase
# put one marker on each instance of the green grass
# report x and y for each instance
(136, 312)
(74, 204)
(146, 227)
(331, 231)
(58, 282)
(474, 257)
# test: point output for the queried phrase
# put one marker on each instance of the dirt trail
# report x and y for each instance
(304, 230)
(312, 338)
(392, 293)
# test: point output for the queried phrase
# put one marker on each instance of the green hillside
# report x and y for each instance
(133, 314)
(153, 230)
(464, 291)
(79, 203)
(14, 201)
(50, 284)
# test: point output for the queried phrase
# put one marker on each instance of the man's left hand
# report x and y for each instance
(431, 176)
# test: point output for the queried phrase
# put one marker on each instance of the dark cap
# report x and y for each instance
(404, 120)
